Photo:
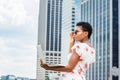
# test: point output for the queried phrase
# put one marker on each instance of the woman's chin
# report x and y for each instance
(76, 40)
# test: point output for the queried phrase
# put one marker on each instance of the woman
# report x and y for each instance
(82, 54)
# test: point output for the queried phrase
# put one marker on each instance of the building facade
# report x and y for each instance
(13, 77)
(49, 36)
(8, 77)
(104, 16)
(70, 16)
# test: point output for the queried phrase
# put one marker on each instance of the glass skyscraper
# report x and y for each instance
(104, 15)
(49, 36)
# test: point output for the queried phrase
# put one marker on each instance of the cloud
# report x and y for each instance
(18, 18)
(17, 57)
(15, 12)
(26, 32)
(18, 37)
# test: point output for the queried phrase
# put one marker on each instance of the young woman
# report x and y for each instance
(82, 54)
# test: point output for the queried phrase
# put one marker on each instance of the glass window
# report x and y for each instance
(51, 54)
(55, 54)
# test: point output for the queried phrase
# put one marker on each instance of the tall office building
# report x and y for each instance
(49, 36)
(104, 15)
(70, 16)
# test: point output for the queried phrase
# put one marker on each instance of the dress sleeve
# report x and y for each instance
(93, 56)
(78, 48)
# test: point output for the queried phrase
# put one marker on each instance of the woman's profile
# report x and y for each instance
(82, 54)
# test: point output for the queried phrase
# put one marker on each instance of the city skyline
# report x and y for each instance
(18, 37)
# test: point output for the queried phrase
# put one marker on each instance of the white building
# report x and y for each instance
(49, 35)
(70, 16)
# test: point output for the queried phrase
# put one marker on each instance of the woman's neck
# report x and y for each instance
(86, 40)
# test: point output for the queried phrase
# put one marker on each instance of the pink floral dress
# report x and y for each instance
(87, 57)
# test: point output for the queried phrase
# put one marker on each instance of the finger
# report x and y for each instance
(71, 33)
(41, 62)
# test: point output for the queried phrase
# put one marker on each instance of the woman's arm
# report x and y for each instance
(54, 68)
(68, 68)
(72, 41)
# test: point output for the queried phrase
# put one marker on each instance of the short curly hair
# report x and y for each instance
(85, 27)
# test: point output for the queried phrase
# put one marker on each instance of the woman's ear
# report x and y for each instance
(85, 33)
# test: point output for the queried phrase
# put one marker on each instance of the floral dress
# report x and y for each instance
(87, 57)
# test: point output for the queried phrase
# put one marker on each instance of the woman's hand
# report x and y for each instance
(45, 66)
(72, 38)
(72, 41)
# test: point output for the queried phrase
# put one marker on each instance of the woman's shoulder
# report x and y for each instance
(83, 45)
(78, 45)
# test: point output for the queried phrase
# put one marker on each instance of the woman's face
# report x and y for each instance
(80, 35)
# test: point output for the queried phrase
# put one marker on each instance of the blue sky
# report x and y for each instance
(18, 37)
